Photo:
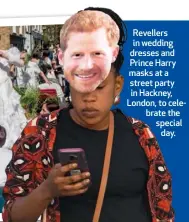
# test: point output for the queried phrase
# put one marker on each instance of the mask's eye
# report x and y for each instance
(77, 55)
(98, 53)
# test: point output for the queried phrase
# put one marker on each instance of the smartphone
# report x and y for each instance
(73, 155)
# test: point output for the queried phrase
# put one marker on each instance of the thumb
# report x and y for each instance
(57, 166)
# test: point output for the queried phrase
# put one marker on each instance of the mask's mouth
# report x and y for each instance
(85, 77)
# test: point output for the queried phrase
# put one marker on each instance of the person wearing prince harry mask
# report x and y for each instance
(89, 42)
(126, 178)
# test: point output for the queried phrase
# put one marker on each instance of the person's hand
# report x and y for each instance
(48, 82)
(60, 185)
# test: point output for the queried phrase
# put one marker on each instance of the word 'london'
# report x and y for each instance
(156, 62)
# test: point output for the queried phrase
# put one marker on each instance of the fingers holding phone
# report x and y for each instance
(75, 184)
(71, 177)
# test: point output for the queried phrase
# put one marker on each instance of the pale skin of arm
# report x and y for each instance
(44, 77)
(29, 208)
(12, 69)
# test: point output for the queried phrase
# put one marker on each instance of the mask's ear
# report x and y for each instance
(61, 57)
(115, 51)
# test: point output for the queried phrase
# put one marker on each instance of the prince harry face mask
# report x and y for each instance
(87, 59)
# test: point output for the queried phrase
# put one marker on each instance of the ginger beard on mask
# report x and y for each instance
(87, 59)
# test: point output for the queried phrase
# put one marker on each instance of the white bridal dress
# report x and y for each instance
(12, 116)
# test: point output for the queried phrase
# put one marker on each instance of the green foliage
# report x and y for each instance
(46, 39)
(20, 91)
(30, 100)
(28, 58)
